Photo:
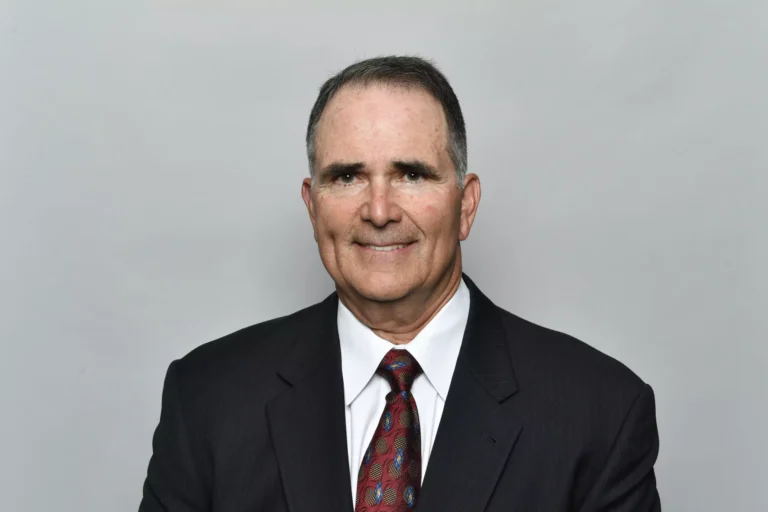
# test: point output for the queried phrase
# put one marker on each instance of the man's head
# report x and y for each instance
(389, 197)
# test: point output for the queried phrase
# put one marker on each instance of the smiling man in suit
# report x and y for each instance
(406, 388)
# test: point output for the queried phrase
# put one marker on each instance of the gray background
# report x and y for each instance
(152, 154)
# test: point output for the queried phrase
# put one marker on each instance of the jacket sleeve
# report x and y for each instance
(627, 482)
(172, 483)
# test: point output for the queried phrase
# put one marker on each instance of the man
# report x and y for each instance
(406, 388)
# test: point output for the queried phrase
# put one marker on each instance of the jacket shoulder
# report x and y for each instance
(560, 361)
(248, 356)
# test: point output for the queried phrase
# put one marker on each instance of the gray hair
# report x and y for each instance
(398, 71)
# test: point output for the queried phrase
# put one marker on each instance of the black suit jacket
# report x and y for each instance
(534, 421)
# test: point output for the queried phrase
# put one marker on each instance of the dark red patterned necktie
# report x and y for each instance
(390, 474)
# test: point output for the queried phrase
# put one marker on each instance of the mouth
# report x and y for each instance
(386, 248)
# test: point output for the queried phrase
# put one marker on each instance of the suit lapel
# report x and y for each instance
(477, 430)
(476, 435)
(307, 421)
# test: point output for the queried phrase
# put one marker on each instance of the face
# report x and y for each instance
(385, 205)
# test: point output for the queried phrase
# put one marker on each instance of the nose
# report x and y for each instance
(380, 206)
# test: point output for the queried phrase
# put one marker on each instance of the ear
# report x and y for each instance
(306, 195)
(470, 200)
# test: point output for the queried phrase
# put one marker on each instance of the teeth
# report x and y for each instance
(386, 247)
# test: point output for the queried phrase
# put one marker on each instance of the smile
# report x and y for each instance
(386, 248)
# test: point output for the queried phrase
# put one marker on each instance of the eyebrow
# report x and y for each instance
(417, 166)
(336, 169)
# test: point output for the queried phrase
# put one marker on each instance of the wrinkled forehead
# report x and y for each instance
(381, 121)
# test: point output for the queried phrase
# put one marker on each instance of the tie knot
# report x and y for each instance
(399, 368)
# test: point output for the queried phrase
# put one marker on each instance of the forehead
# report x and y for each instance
(381, 122)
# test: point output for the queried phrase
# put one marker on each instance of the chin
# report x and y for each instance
(382, 287)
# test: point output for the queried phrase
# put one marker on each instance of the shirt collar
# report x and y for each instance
(436, 347)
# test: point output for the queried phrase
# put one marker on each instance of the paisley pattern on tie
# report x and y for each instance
(389, 478)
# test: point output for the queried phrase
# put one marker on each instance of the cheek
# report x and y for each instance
(430, 216)
(334, 217)
(438, 219)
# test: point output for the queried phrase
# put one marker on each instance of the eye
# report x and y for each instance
(413, 176)
(346, 178)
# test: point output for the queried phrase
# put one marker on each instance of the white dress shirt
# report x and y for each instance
(436, 348)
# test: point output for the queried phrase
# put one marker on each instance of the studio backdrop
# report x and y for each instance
(151, 157)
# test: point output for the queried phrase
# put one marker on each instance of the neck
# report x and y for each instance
(400, 321)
